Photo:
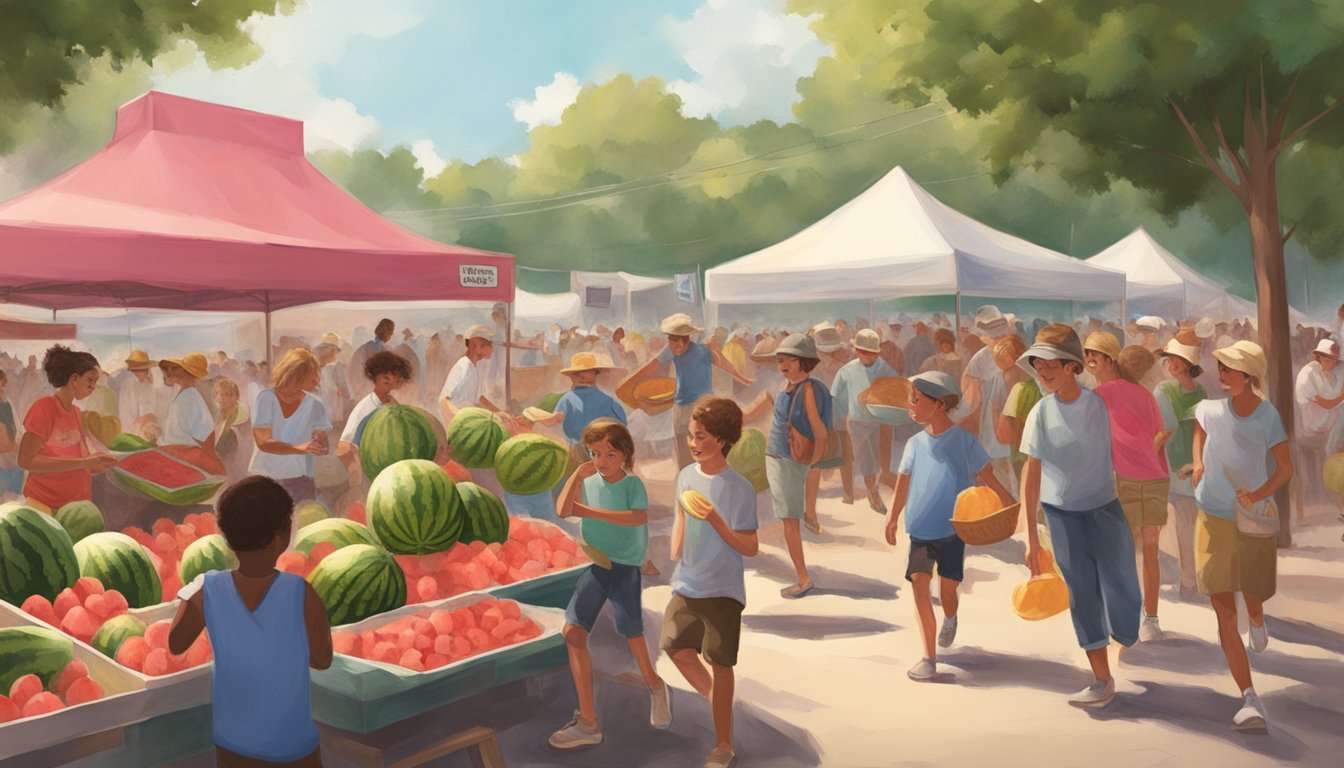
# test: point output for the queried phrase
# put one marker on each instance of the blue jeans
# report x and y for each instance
(619, 585)
(1095, 553)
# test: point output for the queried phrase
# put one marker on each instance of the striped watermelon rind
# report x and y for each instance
(37, 556)
(748, 458)
(528, 464)
(395, 433)
(336, 530)
(114, 632)
(120, 563)
(179, 497)
(413, 508)
(357, 582)
(208, 553)
(474, 436)
(79, 519)
(484, 516)
(33, 651)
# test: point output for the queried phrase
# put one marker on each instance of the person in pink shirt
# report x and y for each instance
(1137, 440)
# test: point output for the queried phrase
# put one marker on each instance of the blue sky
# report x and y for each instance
(454, 78)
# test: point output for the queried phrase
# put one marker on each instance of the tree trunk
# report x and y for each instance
(1272, 293)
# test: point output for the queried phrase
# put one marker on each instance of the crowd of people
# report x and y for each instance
(1097, 430)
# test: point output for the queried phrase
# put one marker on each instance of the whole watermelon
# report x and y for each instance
(80, 518)
(529, 464)
(208, 553)
(414, 509)
(310, 512)
(474, 435)
(114, 632)
(36, 555)
(395, 433)
(548, 401)
(127, 442)
(336, 530)
(33, 651)
(748, 458)
(484, 516)
(120, 563)
(357, 582)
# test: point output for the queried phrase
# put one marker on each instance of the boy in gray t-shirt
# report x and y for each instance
(704, 616)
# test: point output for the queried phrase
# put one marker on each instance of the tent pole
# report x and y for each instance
(267, 295)
(958, 312)
(872, 314)
(508, 355)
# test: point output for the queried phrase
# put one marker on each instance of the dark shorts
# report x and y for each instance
(711, 626)
(948, 554)
(620, 585)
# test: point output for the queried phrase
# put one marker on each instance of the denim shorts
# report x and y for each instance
(621, 585)
(948, 554)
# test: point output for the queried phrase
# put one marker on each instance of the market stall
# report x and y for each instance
(1158, 283)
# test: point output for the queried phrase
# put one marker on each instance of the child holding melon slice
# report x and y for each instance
(939, 463)
(614, 507)
(266, 629)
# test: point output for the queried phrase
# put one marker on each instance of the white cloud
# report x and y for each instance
(285, 81)
(549, 103)
(747, 55)
(427, 157)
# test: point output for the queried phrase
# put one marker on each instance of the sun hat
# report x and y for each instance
(1053, 342)
(989, 321)
(587, 361)
(1185, 346)
(480, 332)
(194, 364)
(679, 325)
(139, 361)
(827, 338)
(1135, 361)
(764, 351)
(1327, 347)
(1205, 328)
(1245, 356)
(798, 345)
(1150, 321)
(1104, 343)
(935, 384)
(867, 340)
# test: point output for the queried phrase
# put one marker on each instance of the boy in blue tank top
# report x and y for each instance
(266, 628)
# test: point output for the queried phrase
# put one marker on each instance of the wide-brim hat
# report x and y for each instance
(1051, 346)
(1152, 322)
(139, 361)
(480, 332)
(989, 321)
(935, 384)
(764, 351)
(867, 340)
(798, 345)
(679, 325)
(1245, 356)
(194, 364)
(827, 340)
(587, 361)
(1185, 346)
(1205, 328)
(1104, 343)
(1328, 348)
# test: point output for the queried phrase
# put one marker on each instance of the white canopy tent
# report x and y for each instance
(620, 298)
(896, 240)
(1239, 307)
(1158, 283)
(535, 311)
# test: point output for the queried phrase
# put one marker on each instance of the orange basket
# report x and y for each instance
(990, 529)
(655, 395)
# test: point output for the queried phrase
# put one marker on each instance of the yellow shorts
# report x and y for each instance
(1144, 502)
(1227, 560)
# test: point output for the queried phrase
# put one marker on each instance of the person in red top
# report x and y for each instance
(54, 451)
(1137, 442)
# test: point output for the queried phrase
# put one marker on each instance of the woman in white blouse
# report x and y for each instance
(290, 425)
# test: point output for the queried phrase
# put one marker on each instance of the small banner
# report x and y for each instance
(597, 297)
(686, 286)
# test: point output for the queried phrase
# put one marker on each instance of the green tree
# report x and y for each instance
(1188, 100)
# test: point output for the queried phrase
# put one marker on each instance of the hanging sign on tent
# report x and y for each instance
(684, 284)
(597, 297)
(478, 276)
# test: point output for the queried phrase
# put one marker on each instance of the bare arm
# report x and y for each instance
(262, 436)
(1031, 499)
(897, 507)
(187, 624)
(29, 460)
(821, 440)
(1283, 472)
(745, 542)
(319, 629)
(1003, 429)
(762, 406)
(678, 530)
(629, 518)
(987, 477)
(1197, 474)
(727, 367)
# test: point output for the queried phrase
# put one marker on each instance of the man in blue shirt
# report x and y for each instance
(692, 366)
(584, 403)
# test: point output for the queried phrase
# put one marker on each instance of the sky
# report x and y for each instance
(459, 79)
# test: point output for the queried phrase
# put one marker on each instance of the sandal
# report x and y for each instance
(795, 591)
(813, 526)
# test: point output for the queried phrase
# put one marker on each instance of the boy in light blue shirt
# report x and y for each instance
(938, 464)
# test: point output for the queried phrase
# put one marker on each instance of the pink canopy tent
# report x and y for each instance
(16, 329)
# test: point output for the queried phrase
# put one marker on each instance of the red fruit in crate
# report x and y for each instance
(435, 660)
(477, 576)
(442, 621)
(156, 634)
(443, 644)
(367, 639)
(426, 588)
(499, 570)
(386, 652)
(406, 639)
(461, 648)
(476, 547)
(356, 512)
(81, 624)
(132, 652)
(480, 640)
(509, 609)
(43, 703)
(320, 551)
(199, 652)
(505, 630)
(345, 642)
(87, 585)
(141, 537)
(116, 603)
(293, 562)
(529, 630)
(412, 660)
(206, 524)
(491, 619)
(537, 550)
(171, 586)
(531, 569)
(463, 620)
(567, 545)
(185, 535)
(72, 672)
(156, 662)
(25, 688)
(39, 607)
(9, 710)
(177, 662)
(163, 525)
(423, 641)
(165, 544)
(82, 691)
(97, 605)
(443, 584)
(66, 600)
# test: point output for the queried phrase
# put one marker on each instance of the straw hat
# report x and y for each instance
(827, 339)
(679, 325)
(1104, 343)
(764, 351)
(1244, 356)
(867, 340)
(333, 339)
(139, 361)
(480, 332)
(1136, 361)
(1184, 346)
(798, 345)
(1327, 348)
(587, 361)
(194, 364)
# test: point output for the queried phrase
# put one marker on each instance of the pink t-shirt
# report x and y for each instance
(1135, 421)
(62, 434)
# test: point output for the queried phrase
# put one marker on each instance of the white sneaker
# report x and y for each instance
(1259, 637)
(1094, 696)
(660, 706)
(1251, 716)
(576, 734)
(948, 633)
(1150, 631)
(721, 758)
(926, 669)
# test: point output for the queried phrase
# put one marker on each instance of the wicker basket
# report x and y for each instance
(990, 529)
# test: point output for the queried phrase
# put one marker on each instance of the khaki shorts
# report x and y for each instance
(1227, 560)
(681, 420)
(711, 626)
(1144, 502)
